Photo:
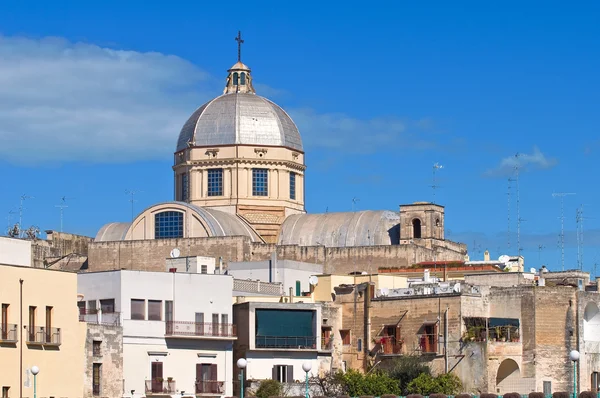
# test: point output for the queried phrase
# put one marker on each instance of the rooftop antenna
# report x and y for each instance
(132, 193)
(579, 220)
(23, 198)
(354, 201)
(9, 218)
(510, 180)
(540, 248)
(476, 247)
(562, 195)
(517, 170)
(436, 167)
(239, 42)
(62, 206)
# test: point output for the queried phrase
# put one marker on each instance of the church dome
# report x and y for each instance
(239, 118)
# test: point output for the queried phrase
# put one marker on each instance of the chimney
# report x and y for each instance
(291, 294)
(486, 255)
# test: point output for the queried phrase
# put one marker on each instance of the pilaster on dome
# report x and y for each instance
(239, 79)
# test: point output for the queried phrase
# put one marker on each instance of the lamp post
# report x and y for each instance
(242, 363)
(306, 366)
(574, 356)
(35, 370)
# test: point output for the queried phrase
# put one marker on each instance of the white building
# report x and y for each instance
(15, 251)
(291, 274)
(177, 331)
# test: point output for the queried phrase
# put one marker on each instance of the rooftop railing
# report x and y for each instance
(293, 342)
(197, 329)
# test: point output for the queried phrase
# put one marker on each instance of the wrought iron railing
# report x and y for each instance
(390, 345)
(8, 333)
(160, 386)
(428, 343)
(100, 317)
(196, 329)
(42, 335)
(210, 387)
(298, 342)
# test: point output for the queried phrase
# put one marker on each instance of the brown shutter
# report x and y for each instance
(198, 372)
(274, 372)
(213, 372)
(290, 374)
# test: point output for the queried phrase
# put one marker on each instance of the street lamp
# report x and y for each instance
(35, 370)
(306, 366)
(574, 356)
(242, 363)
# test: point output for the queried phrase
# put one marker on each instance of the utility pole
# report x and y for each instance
(562, 195)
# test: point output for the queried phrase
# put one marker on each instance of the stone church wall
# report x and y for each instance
(150, 255)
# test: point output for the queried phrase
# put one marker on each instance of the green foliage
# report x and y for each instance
(425, 384)
(269, 388)
(406, 369)
(330, 384)
(375, 384)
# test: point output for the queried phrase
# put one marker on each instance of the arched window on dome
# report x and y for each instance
(243, 78)
(236, 78)
(168, 224)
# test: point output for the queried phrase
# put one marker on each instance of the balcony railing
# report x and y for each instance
(160, 386)
(428, 343)
(210, 387)
(298, 342)
(195, 329)
(8, 333)
(327, 343)
(100, 317)
(391, 345)
(42, 335)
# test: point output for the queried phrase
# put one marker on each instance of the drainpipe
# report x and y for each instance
(367, 323)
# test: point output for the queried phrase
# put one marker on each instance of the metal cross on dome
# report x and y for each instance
(239, 41)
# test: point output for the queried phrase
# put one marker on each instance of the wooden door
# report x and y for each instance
(157, 377)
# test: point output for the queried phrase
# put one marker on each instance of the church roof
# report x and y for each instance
(361, 228)
(239, 118)
(112, 231)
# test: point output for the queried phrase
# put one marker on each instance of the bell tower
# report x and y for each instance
(422, 220)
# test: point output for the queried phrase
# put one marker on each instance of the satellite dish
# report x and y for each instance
(175, 253)
(385, 291)
(313, 280)
(456, 287)
(532, 270)
(504, 259)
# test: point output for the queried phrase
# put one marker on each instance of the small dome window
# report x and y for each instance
(236, 78)
(243, 79)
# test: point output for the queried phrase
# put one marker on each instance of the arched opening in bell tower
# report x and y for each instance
(416, 224)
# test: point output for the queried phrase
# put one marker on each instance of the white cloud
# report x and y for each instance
(524, 161)
(62, 100)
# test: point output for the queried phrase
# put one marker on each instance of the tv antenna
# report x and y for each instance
(540, 248)
(354, 201)
(562, 195)
(9, 219)
(517, 171)
(579, 220)
(23, 198)
(436, 167)
(132, 193)
(510, 180)
(62, 206)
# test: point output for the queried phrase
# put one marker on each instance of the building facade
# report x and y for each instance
(177, 330)
(48, 334)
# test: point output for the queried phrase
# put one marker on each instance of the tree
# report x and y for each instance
(269, 388)
(448, 384)
(425, 384)
(406, 369)
(330, 384)
(375, 384)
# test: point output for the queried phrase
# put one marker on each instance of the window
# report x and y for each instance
(138, 309)
(236, 78)
(595, 381)
(97, 348)
(48, 324)
(215, 182)
(168, 224)
(243, 78)
(199, 323)
(293, 186)
(225, 325)
(81, 306)
(91, 307)
(204, 269)
(416, 223)
(283, 373)
(154, 310)
(359, 345)
(215, 324)
(107, 306)
(206, 377)
(260, 182)
(4, 323)
(96, 376)
(298, 289)
(345, 336)
(5, 392)
(32, 323)
(185, 187)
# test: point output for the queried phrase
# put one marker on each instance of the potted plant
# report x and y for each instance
(169, 379)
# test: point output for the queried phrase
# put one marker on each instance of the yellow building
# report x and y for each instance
(39, 326)
(327, 283)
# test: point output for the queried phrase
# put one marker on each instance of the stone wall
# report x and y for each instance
(150, 255)
(110, 358)
(57, 245)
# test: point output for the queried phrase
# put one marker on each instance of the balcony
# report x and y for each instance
(100, 317)
(210, 387)
(43, 336)
(390, 345)
(428, 343)
(8, 333)
(160, 386)
(184, 329)
(326, 343)
(287, 342)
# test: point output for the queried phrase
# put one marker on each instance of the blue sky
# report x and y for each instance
(93, 94)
